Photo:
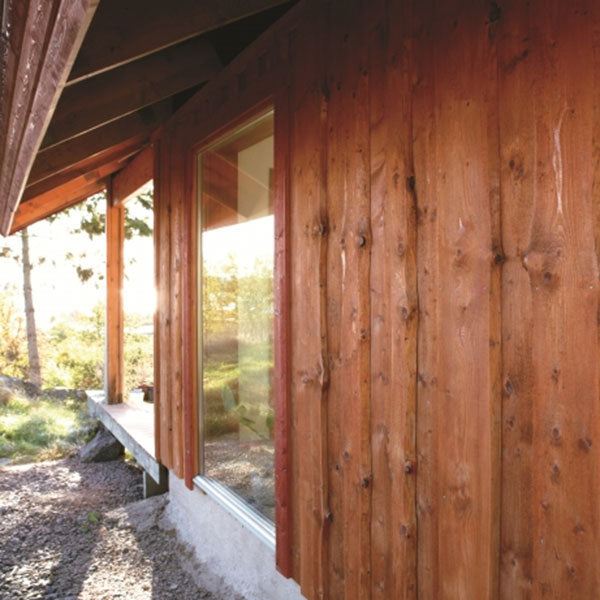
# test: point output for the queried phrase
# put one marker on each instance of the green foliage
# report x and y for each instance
(237, 314)
(13, 338)
(74, 352)
(42, 428)
(242, 304)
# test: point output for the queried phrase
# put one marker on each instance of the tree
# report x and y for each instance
(35, 373)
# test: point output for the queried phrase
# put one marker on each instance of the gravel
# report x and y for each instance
(70, 530)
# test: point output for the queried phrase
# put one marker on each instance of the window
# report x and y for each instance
(236, 312)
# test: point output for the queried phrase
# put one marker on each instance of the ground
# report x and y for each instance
(72, 530)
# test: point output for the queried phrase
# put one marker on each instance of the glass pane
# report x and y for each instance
(237, 312)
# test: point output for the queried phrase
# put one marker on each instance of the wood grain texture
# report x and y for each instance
(40, 40)
(348, 164)
(163, 329)
(115, 361)
(87, 167)
(134, 176)
(550, 536)
(81, 149)
(176, 217)
(157, 239)
(38, 206)
(115, 36)
(106, 97)
(189, 388)
(282, 325)
(457, 491)
(442, 376)
(309, 363)
(394, 312)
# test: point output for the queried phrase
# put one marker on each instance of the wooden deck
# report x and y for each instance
(132, 423)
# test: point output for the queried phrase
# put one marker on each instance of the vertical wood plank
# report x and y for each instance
(158, 283)
(459, 313)
(551, 532)
(176, 200)
(162, 200)
(394, 318)
(283, 445)
(115, 239)
(309, 365)
(348, 301)
(190, 399)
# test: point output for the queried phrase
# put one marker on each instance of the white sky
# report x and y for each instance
(246, 242)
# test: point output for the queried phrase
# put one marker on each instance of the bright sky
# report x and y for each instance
(56, 287)
(246, 242)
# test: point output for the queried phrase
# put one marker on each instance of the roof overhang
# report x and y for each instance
(84, 86)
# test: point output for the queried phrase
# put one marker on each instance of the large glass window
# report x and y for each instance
(236, 312)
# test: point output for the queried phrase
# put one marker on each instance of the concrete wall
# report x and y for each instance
(225, 546)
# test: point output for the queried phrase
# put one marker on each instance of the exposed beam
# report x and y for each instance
(119, 153)
(123, 31)
(106, 97)
(39, 42)
(54, 201)
(61, 157)
(115, 240)
(134, 176)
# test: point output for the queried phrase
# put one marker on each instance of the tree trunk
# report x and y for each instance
(35, 374)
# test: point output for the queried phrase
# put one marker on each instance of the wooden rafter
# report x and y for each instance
(119, 35)
(119, 152)
(39, 42)
(111, 95)
(59, 158)
(135, 175)
(60, 198)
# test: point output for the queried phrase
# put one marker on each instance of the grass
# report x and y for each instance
(41, 428)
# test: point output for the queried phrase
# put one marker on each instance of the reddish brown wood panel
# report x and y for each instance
(157, 238)
(309, 359)
(189, 387)
(40, 40)
(394, 312)
(439, 165)
(163, 329)
(115, 239)
(176, 217)
(283, 432)
(549, 148)
(457, 461)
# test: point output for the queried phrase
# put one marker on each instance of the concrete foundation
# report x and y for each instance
(225, 546)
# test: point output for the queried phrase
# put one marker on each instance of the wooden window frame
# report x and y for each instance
(279, 103)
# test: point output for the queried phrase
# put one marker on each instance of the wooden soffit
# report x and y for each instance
(115, 36)
(38, 44)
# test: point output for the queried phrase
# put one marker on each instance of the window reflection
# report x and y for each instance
(237, 248)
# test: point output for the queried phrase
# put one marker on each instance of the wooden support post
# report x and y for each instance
(115, 236)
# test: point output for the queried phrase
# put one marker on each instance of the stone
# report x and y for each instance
(104, 447)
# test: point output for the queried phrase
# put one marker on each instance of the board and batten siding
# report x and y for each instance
(437, 172)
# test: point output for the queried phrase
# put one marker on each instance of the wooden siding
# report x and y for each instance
(438, 351)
